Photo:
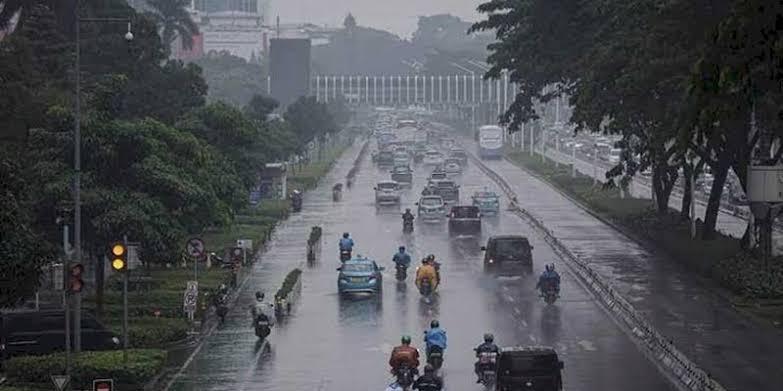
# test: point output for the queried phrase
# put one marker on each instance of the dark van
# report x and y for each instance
(464, 220)
(508, 254)
(43, 332)
(529, 368)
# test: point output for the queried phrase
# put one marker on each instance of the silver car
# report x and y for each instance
(387, 192)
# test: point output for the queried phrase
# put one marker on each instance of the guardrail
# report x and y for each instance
(314, 243)
(288, 293)
(352, 172)
(682, 371)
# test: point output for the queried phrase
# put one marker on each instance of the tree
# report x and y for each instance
(260, 106)
(231, 79)
(174, 21)
(309, 119)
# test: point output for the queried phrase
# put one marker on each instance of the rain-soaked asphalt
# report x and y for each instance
(739, 353)
(343, 344)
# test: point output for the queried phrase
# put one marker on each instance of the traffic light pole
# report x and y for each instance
(125, 307)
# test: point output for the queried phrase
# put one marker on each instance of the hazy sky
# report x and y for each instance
(398, 16)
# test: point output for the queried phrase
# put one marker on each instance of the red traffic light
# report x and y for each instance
(103, 385)
(75, 282)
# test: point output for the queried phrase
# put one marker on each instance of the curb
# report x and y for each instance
(685, 374)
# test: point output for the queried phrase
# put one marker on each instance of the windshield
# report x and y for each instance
(431, 202)
(444, 184)
(464, 212)
(486, 196)
(511, 247)
(523, 365)
(433, 154)
(387, 186)
(357, 268)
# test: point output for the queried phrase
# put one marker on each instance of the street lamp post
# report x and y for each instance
(77, 167)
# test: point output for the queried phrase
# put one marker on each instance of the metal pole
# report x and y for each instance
(543, 143)
(408, 89)
(77, 184)
(125, 308)
(532, 139)
(416, 89)
(318, 88)
(693, 201)
(573, 160)
(557, 151)
(595, 164)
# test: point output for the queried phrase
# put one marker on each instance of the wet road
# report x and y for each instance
(739, 353)
(343, 344)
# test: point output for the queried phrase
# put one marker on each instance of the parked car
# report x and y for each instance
(488, 202)
(433, 158)
(465, 220)
(359, 275)
(530, 368)
(32, 332)
(508, 254)
(402, 175)
(460, 154)
(387, 192)
(431, 208)
(452, 166)
(446, 188)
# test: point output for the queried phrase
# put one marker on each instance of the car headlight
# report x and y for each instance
(343, 281)
(372, 281)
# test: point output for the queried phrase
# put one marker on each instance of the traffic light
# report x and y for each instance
(119, 257)
(75, 282)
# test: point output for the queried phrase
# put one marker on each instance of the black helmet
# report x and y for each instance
(346, 234)
(430, 257)
(406, 340)
(402, 249)
(429, 368)
(259, 295)
(407, 209)
(434, 324)
(488, 337)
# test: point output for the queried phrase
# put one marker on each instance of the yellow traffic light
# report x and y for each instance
(119, 257)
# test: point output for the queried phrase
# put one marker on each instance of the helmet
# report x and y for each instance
(429, 368)
(434, 324)
(430, 258)
(402, 249)
(488, 337)
(346, 235)
(259, 295)
(552, 267)
(547, 267)
(406, 340)
(408, 210)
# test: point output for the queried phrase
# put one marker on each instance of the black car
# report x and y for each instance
(43, 332)
(529, 368)
(464, 220)
(509, 254)
(447, 189)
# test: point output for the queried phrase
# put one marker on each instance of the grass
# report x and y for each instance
(720, 260)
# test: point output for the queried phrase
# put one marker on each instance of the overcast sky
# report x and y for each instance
(397, 16)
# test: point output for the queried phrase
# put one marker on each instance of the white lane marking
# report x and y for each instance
(252, 369)
(509, 298)
(517, 311)
(533, 339)
(524, 324)
(587, 345)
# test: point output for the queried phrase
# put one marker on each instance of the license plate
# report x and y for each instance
(263, 323)
(357, 279)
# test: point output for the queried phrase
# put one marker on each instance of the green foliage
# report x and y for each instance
(309, 119)
(232, 79)
(288, 284)
(142, 365)
(154, 332)
(173, 18)
(259, 107)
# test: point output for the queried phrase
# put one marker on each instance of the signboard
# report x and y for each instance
(60, 381)
(195, 247)
(103, 385)
(190, 298)
(247, 244)
(58, 279)
(134, 262)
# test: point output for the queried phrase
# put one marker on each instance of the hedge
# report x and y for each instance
(315, 235)
(142, 366)
(288, 284)
(153, 332)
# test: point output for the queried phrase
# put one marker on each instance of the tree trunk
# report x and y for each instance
(720, 172)
(99, 285)
(685, 209)
(664, 178)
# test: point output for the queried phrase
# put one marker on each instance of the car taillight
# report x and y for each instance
(491, 260)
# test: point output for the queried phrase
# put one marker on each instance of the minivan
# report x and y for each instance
(508, 254)
(529, 368)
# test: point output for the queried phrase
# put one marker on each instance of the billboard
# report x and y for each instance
(289, 69)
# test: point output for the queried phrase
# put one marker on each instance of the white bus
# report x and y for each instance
(490, 142)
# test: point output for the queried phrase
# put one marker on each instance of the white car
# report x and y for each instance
(431, 208)
(387, 192)
(452, 166)
(433, 158)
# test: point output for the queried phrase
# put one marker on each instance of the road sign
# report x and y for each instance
(191, 297)
(247, 244)
(103, 385)
(59, 381)
(195, 247)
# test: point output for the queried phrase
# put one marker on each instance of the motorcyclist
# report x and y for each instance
(407, 216)
(262, 308)
(431, 260)
(549, 276)
(429, 381)
(435, 337)
(426, 272)
(404, 354)
(346, 243)
(428, 190)
(402, 258)
(487, 347)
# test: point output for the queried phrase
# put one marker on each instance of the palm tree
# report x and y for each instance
(63, 10)
(174, 21)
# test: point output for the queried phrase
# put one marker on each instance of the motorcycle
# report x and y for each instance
(221, 307)
(337, 192)
(425, 288)
(404, 377)
(345, 255)
(402, 273)
(550, 294)
(407, 226)
(263, 326)
(296, 204)
(435, 357)
(487, 368)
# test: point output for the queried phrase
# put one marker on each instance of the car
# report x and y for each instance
(385, 158)
(387, 192)
(508, 254)
(531, 368)
(447, 142)
(431, 208)
(433, 157)
(452, 166)
(445, 188)
(488, 202)
(465, 220)
(359, 275)
(460, 154)
(402, 175)
(31, 332)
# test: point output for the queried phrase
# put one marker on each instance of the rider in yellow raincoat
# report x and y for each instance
(426, 272)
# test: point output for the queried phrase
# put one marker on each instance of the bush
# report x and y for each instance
(315, 235)
(143, 365)
(288, 284)
(153, 332)
(750, 277)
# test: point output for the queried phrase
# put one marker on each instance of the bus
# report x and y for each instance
(490, 142)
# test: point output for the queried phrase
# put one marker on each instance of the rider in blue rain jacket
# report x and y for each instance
(402, 258)
(435, 336)
(346, 243)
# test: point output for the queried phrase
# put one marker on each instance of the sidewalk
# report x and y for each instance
(741, 354)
